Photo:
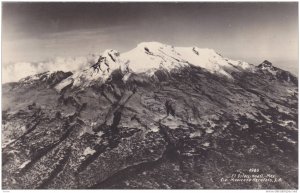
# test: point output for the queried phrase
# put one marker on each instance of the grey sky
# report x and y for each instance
(251, 32)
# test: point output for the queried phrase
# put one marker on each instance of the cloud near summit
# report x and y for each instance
(15, 71)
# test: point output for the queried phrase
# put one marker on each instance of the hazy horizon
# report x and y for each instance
(251, 32)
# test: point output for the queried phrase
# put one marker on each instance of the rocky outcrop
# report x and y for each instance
(276, 73)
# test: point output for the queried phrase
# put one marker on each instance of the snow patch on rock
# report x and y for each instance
(24, 164)
(88, 151)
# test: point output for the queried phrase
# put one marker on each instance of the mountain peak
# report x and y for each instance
(151, 44)
(111, 51)
(276, 73)
(148, 47)
(148, 57)
(265, 64)
(110, 54)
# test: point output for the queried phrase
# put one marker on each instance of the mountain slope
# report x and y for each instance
(155, 117)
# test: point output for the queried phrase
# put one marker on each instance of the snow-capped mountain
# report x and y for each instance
(155, 117)
(154, 55)
(148, 57)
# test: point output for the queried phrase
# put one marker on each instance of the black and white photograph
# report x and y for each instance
(149, 95)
